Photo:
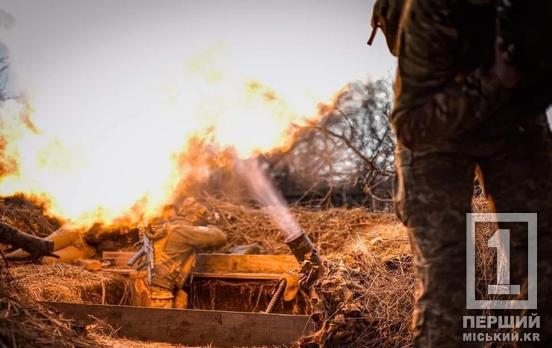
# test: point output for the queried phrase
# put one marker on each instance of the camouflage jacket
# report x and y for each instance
(446, 93)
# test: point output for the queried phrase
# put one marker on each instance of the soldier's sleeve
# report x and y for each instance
(434, 102)
(200, 237)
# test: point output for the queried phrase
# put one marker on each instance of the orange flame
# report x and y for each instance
(105, 164)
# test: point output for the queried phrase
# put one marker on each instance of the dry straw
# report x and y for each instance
(365, 295)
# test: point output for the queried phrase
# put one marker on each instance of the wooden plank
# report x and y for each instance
(230, 275)
(220, 275)
(118, 258)
(193, 327)
(225, 263)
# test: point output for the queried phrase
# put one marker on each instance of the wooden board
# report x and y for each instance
(119, 259)
(220, 275)
(193, 327)
(235, 275)
(225, 263)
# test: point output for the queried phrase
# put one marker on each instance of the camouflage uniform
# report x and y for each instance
(176, 244)
(175, 254)
(451, 117)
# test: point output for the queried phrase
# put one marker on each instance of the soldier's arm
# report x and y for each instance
(434, 102)
(200, 237)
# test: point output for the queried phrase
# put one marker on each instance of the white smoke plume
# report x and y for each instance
(268, 197)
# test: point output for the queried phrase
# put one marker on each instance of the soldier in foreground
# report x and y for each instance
(470, 95)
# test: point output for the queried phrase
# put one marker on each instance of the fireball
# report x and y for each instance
(100, 154)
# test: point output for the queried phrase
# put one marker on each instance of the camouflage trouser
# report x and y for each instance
(434, 194)
(175, 255)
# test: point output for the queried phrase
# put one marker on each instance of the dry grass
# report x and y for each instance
(27, 216)
(105, 335)
(330, 229)
(26, 323)
(365, 294)
(71, 284)
(23, 321)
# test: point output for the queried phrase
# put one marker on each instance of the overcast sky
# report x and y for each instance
(282, 42)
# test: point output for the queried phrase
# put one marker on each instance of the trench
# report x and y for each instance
(203, 293)
(242, 296)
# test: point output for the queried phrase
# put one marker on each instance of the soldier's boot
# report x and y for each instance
(160, 297)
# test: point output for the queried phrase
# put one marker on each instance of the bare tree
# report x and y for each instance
(348, 156)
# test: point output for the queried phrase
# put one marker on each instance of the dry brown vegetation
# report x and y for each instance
(331, 229)
(365, 296)
(26, 215)
(71, 284)
(26, 323)
(365, 292)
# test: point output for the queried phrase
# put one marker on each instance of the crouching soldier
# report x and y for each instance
(176, 242)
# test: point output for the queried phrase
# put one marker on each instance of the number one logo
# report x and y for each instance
(501, 241)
